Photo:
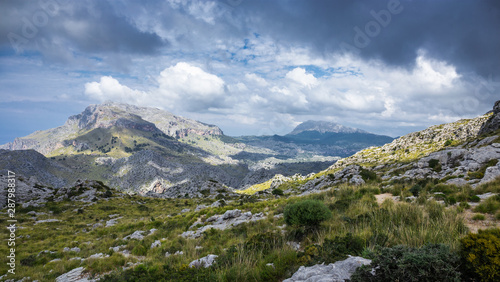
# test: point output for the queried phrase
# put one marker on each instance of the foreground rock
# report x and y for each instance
(204, 261)
(339, 271)
(75, 275)
(227, 220)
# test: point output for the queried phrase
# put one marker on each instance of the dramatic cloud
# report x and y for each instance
(388, 66)
(191, 87)
(180, 87)
(110, 89)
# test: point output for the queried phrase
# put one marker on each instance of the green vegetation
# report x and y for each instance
(278, 192)
(344, 220)
(306, 213)
(481, 255)
(478, 217)
(479, 174)
(433, 262)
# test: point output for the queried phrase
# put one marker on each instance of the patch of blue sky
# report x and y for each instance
(320, 72)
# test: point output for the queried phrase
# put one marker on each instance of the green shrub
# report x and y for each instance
(143, 208)
(415, 190)
(435, 165)
(339, 247)
(451, 200)
(367, 175)
(464, 205)
(278, 192)
(308, 213)
(478, 217)
(29, 261)
(480, 255)
(433, 262)
(139, 250)
(490, 205)
(475, 199)
(107, 194)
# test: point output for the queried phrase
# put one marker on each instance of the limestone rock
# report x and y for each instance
(155, 244)
(75, 249)
(75, 275)
(227, 220)
(203, 262)
(493, 123)
(137, 235)
(338, 271)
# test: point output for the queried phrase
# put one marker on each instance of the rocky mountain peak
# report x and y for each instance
(324, 127)
(493, 123)
(111, 114)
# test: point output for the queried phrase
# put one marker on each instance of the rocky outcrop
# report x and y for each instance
(227, 220)
(335, 272)
(350, 174)
(417, 144)
(31, 192)
(493, 123)
(473, 163)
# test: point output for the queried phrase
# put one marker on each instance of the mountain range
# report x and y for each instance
(148, 150)
(435, 185)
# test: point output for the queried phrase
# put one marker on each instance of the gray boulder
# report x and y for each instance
(155, 244)
(75, 275)
(204, 261)
(336, 272)
(136, 235)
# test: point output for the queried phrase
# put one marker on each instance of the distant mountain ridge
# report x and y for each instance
(324, 127)
(323, 137)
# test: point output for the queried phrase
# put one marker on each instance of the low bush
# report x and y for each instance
(490, 205)
(332, 250)
(278, 192)
(475, 199)
(480, 255)
(367, 175)
(435, 165)
(478, 217)
(415, 190)
(306, 213)
(433, 262)
(165, 273)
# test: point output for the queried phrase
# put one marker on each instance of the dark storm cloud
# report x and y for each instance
(464, 33)
(89, 27)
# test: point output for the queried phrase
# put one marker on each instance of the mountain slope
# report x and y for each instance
(460, 153)
(145, 149)
(110, 115)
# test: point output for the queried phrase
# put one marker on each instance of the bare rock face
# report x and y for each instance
(493, 123)
(109, 115)
(334, 272)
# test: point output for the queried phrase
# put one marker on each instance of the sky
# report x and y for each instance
(252, 67)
